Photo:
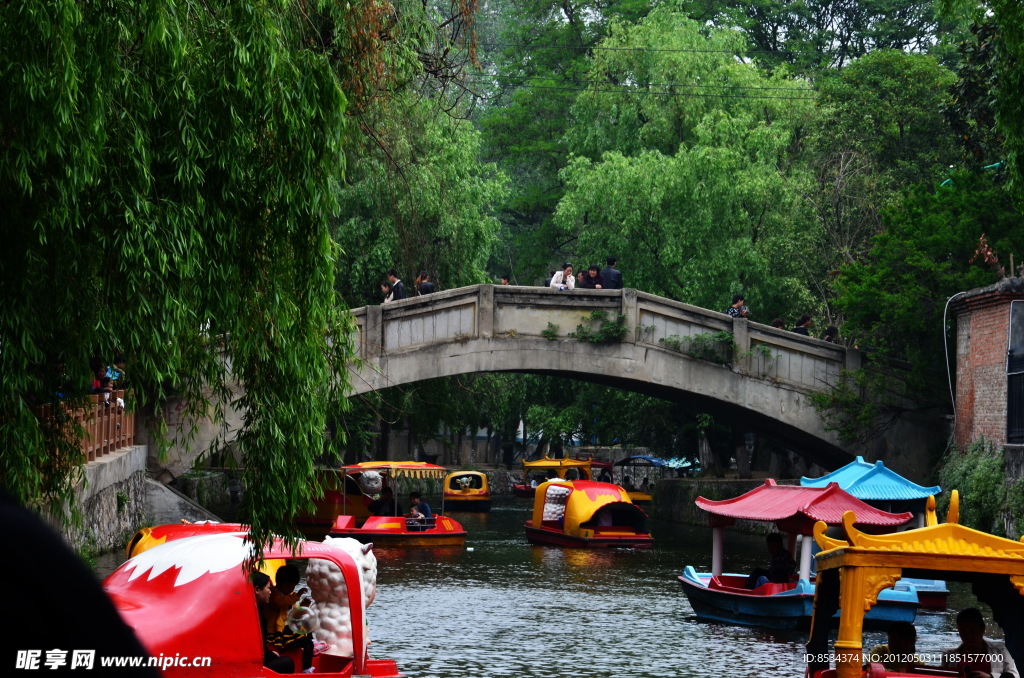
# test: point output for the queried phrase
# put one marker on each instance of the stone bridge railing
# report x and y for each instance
(524, 313)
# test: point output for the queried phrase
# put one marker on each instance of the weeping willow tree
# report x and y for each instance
(168, 174)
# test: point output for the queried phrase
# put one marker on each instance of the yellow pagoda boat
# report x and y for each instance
(852, 572)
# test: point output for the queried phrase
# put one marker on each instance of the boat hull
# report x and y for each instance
(524, 491)
(932, 593)
(552, 537)
(395, 532)
(789, 609)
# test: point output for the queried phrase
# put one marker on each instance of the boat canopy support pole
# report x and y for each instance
(717, 545)
(806, 544)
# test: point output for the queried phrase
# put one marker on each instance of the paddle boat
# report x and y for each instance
(148, 537)
(632, 467)
(342, 494)
(587, 514)
(852, 571)
(190, 599)
(723, 597)
(396, 528)
(467, 491)
(563, 468)
(883, 488)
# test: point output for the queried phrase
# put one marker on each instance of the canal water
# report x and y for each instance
(508, 608)
(502, 607)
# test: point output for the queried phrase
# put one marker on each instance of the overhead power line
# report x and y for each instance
(521, 78)
(664, 92)
(596, 48)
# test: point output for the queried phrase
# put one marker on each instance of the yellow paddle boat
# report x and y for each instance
(588, 514)
(467, 491)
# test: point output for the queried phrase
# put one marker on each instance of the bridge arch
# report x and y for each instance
(488, 328)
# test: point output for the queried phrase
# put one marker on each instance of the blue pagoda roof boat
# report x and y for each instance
(883, 488)
(874, 483)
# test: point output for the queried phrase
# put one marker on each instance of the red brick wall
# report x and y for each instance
(982, 327)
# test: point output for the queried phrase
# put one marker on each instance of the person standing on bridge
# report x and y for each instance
(803, 326)
(611, 275)
(563, 280)
(397, 286)
(425, 286)
(738, 309)
(592, 280)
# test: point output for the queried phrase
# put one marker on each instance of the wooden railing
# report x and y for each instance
(106, 426)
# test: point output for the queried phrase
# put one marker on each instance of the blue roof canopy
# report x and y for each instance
(869, 482)
(641, 460)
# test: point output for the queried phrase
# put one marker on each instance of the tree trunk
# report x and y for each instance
(708, 458)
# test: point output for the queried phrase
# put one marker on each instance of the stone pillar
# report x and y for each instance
(373, 332)
(631, 310)
(741, 341)
(485, 312)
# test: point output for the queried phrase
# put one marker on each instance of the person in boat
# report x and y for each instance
(976, 656)
(627, 484)
(385, 504)
(645, 486)
(283, 598)
(779, 570)
(271, 659)
(900, 653)
(420, 506)
(605, 476)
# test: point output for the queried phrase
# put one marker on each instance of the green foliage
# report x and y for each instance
(814, 35)
(609, 329)
(715, 347)
(693, 183)
(416, 199)
(894, 301)
(1009, 19)
(167, 190)
(862, 404)
(551, 332)
(887, 105)
(979, 474)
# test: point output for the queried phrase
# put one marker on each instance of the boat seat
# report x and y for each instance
(735, 584)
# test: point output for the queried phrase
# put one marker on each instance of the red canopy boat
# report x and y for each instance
(725, 597)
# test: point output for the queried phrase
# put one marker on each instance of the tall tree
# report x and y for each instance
(168, 175)
(688, 168)
(417, 197)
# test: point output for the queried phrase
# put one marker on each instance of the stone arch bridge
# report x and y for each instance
(764, 384)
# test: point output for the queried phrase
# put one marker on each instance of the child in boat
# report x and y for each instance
(271, 659)
(282, 598)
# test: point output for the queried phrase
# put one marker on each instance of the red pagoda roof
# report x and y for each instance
(796, 509)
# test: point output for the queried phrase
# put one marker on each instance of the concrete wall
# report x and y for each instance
(112, 500)
(674, 500)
